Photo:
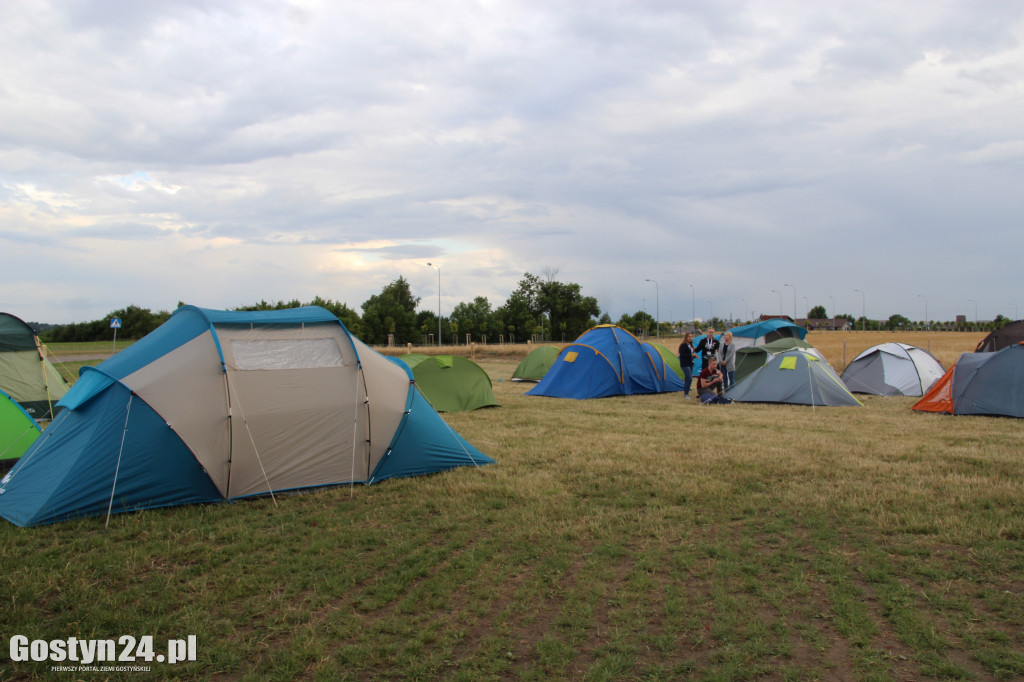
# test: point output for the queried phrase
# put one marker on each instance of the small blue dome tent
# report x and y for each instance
(219, 405)
(606, 361)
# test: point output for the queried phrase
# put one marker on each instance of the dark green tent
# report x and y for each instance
(25, 373)
(450, 383)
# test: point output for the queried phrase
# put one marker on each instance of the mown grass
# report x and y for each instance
(645, 537)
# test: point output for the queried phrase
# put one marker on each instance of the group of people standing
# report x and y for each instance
(718, 365)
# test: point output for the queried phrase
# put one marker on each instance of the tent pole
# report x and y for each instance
(255, 449)
(355, 431)
(117, 469)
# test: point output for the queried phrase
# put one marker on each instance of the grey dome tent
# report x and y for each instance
(795, 377)
(893, 369)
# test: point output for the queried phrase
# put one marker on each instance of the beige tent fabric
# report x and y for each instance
(281, 382)
(26, 378)
(187, 388)
(388, 389)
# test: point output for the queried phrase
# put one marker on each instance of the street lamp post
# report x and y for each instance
(807, 307)
(833, 312)
(780, 299)
(863, 307)
(693, 308)
(657, 307)
(438, 301)
(794, 299)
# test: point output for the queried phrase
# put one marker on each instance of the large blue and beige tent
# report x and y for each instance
(220, 405)
(606, 361)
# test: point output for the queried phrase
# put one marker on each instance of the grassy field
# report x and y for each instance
(639, 538)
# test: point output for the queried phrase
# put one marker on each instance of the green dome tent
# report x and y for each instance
(450, 383)
(17, 431)
(25, 373)
(536, 364)
(795, 377)
(671, 359)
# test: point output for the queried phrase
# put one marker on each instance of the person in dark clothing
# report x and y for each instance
(707, 347)
(686, 362)
(709, 384)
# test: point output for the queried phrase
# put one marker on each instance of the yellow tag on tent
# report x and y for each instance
(788, 362)
(571, 356)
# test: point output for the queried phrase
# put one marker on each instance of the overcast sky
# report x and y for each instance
(749, 157)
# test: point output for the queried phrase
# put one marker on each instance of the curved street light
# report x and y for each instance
(863, 307)
(794, 300)
(438, 301)
(780, 299)
(657, 307)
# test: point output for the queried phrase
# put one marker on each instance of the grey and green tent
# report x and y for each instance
(18, 431)
(25, 373)
(752, 358)
(796, 377)
(536, 364)
(451, 383)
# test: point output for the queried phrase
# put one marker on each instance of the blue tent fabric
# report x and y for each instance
(769, 328)
(990, 383)
(86, 469)
(607, 361)
(112, 448)
(425, 430)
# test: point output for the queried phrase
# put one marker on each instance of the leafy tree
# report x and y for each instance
(392, 311)
(474, 318)
(897, 321)
(569, 311)
(817, 313)
(520, 316)
(639, 322)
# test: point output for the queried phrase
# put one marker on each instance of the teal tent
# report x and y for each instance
(220, 405)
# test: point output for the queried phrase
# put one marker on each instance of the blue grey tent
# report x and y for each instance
(218, 405)
(606, 361)
(989, 383)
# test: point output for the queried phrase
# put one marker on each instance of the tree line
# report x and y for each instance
(541, 308)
